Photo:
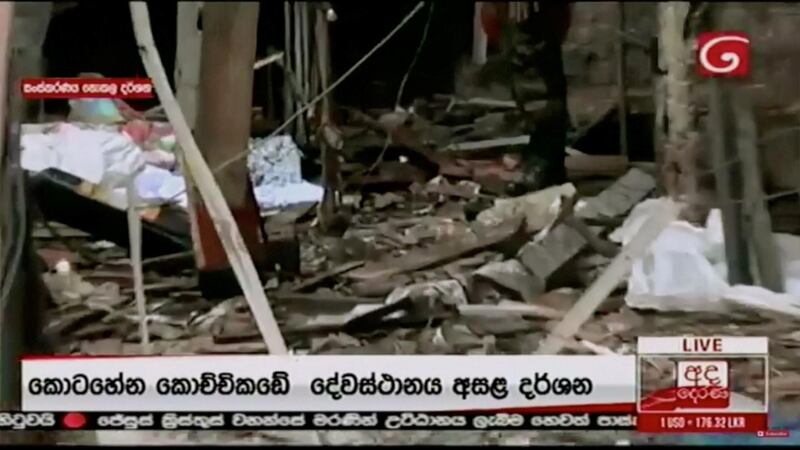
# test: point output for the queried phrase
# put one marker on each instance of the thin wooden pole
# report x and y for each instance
(479, 38)
(330, 159)
(135, 244)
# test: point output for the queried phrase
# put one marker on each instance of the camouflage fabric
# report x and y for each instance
(539, 87)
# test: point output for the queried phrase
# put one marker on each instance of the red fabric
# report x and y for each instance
(493, 15)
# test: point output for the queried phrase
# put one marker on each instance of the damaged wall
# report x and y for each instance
(589, 56)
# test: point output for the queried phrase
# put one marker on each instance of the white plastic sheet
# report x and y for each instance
(685, 269)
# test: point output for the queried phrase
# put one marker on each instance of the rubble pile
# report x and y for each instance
(436, 258)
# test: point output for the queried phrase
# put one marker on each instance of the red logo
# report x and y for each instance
(74, 420)
(723, 54)
(700, 385)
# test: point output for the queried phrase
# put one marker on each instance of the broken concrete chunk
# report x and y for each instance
(388, 199)
(539, 208)
(447, 292)
(558, 246)
(379, 287)
(560, 299)
(464, 189)
(514, 276)
(459, 336)
(619, 198)
(501, 326)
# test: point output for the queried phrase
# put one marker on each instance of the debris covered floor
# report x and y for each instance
(433, 258)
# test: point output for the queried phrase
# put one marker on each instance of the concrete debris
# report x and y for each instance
(451, 264)
(540, 209)
(512, 275)
(618, 199)
(439, 253)
(446, 293)
(547, 254)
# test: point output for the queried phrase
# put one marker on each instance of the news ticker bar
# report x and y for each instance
(754, 423)
(420, 420)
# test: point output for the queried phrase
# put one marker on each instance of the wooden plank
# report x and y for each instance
(593, 297)
(230, 237)
(187, 59)
(620, 197)
(441, 253)
(223, 131)
(324, 276)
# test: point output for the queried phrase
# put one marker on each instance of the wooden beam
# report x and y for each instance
(329, 144)
(728, 182)
(757, 220)
(223, 131)
(755, 224)
(187, 59)
(211, 193)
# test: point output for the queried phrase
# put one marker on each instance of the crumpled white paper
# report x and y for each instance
(685, 269)
(274, 165)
